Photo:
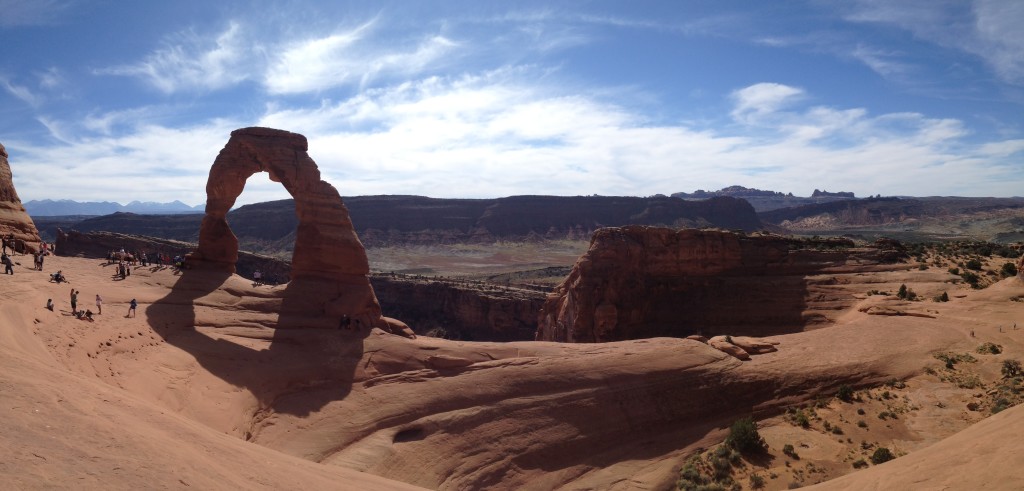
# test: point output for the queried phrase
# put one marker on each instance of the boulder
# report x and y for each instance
(395, 326)
(729, 348)
(697, 337)
(754, 346)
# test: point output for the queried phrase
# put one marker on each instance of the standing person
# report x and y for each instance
(74, 301)
(131, 308)
(99, 304)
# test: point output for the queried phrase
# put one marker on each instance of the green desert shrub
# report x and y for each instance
(1008, 270)
(881, 455)
(971, 278)
(744, 438)
(845, 393)
(799, 417)
(1011, 368)
(974, 264)
(990, 348)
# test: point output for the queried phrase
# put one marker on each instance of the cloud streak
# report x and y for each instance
(347, 58)
(988, 29)
(189, 62)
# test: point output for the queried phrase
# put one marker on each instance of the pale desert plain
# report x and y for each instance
(210, 386)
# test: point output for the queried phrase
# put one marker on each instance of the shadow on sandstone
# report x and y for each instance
(301, 369)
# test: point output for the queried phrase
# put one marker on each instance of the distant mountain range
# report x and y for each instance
(64, 207)
(759, 199)
(269, 228)
(767, 200)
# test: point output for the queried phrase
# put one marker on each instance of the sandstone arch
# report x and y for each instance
(329, 264)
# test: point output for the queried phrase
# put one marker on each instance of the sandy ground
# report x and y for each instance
(67, 423)
(199, 390)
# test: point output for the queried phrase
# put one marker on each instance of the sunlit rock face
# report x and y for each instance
(641, 282)
(14, 221)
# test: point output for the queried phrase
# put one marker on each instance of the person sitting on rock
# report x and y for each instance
(49, 304)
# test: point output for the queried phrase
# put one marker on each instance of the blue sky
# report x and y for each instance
(124, 100)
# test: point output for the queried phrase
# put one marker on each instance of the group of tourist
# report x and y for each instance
(10, 246)
(86, 314)
(125, 260)
(144, 258)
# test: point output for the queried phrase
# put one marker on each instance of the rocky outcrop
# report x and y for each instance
(641, 282)
(329, 265)
(14, 221)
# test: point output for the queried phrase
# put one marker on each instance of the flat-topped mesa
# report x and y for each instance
(14, 220)
(329, 264)
(640, 282)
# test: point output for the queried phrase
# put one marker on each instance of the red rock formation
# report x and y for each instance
(13, 218)
(329, 264)
(640, 282)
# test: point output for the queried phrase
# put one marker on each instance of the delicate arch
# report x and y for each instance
(329, 265)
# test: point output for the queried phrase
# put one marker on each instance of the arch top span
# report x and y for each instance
(328, 256)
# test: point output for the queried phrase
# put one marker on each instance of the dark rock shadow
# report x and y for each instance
(301, 370)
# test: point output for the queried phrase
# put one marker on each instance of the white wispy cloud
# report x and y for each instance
(884, 62)
(147, 163)
(760, 100)
(989, 29)
(21, 92)
(466, 137)
(189, 61)
(349, 57)
(500, 133)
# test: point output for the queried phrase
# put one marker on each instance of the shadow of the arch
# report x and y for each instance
(300, 371)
